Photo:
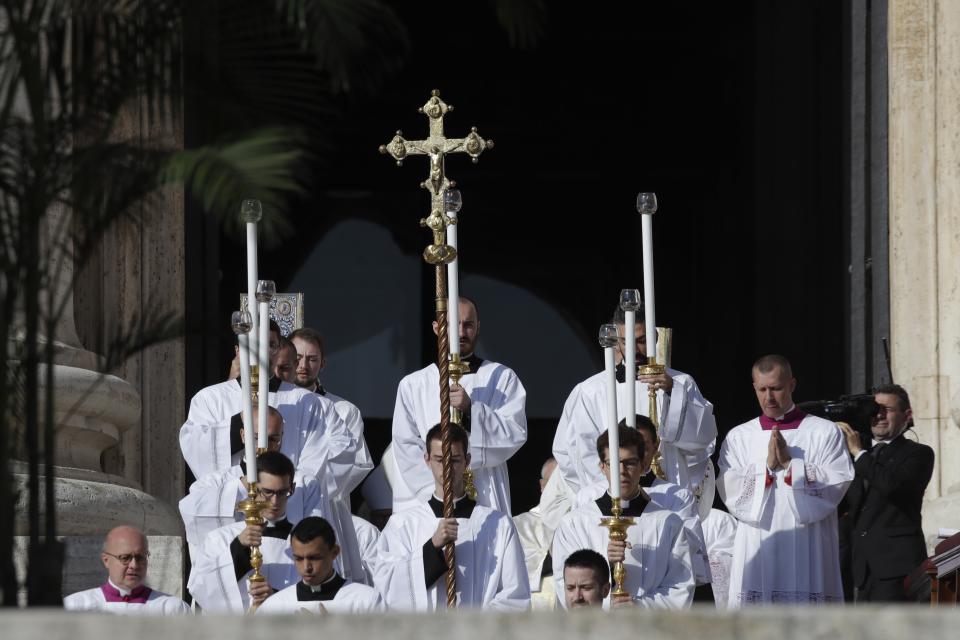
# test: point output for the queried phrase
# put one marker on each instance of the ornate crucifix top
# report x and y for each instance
(436, 146)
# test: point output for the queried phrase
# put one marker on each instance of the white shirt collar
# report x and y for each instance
(123, 592)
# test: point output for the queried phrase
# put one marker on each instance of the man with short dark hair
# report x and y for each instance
(586, 579)
(492, 402)
(321, 589)
(782, 476)
(310, 360)
(218, 580)
(656, 553)
(885, 498)
(314, 436)
(410, 569)
(688, 430)
(125, 555)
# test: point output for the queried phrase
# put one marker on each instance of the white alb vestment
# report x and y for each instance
(157, 604)
(213, 582)
(212, 502)
(498, 428)
(490, 569)
(786, 548)
(719, 532)
(314, 435)
(687, 430)
(367, 538)
(352, 597)
(536, 540)
(659, 566)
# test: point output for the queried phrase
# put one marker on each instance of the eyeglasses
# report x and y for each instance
(269, 494)
(127, 558)
(630, 464)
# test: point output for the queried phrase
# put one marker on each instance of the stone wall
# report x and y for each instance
(924, 139)
(794, 623)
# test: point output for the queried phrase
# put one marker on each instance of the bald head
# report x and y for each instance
(546, 471)
(123, 535)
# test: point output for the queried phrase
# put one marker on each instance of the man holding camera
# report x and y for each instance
(892, 473)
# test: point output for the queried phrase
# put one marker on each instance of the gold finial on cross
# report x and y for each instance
(436, 146)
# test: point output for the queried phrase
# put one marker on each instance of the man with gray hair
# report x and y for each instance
(125, 556)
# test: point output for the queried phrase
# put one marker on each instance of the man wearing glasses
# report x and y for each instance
(884, 499)
(218, 580)
(314, 435)
(211, 502)
(126, 556)
(656, 553)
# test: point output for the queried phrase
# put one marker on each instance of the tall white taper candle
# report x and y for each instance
(648, 297)
(250, 441)
(612, 429)
(630, 366)
(252, 288)
(264, 374)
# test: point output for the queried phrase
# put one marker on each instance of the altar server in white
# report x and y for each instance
(782, 476)
(321, 589)
(492, 402)
(314, 435)
(688, 430)
(657, 559)
(409, 569)
(219, 578)
(126, 555)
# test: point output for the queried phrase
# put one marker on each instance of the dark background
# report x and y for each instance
(733, 113)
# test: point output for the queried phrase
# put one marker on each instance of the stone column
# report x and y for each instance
(924, 144)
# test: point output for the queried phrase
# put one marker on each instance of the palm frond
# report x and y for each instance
(262, 165)
(356, 42)
(523, 20)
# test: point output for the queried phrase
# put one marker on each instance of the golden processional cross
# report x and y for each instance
(440, 254)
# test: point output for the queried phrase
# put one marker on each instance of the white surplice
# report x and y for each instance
(490, 570)
(659, 565)
(786, 546)
(352, 597)
(719, 532)
(157, 604)
(211, 504)
(688, 430)
(314, 435)
(498, 428)
(367, 538)
(352, 472)
(213, 582)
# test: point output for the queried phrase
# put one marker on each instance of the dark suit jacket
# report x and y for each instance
(883, 517)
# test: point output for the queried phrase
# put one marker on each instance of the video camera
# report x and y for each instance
(855, 409)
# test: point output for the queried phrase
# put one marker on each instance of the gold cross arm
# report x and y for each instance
(436, 145)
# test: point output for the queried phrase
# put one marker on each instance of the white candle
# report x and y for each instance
(451, 206)
(453, 292)
(250, 444)
(630, 365)
(252, 286)
(612, 429)
(648, 297)
(264, 374)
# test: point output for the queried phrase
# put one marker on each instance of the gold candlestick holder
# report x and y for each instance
(654, 369)
(457, 369)
(618, 525)
(252, 510)
(254, 383)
